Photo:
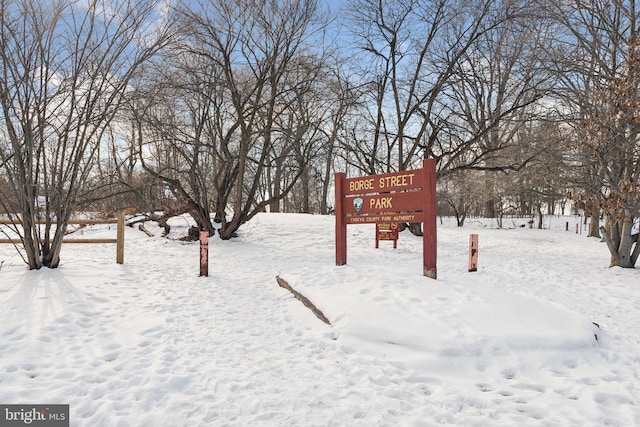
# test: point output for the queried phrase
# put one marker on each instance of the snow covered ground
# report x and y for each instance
(151, 343)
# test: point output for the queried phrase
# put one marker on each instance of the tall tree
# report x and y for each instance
(600, 63)
(255, 44)
(495, 94)
(343, 95)
(174, 125)
(413, 49)
(65, 69)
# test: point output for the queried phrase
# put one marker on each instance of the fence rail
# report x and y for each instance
(119, 240)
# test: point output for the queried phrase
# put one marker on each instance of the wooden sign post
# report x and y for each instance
(204, 253)
(120, 238)
(406, 196)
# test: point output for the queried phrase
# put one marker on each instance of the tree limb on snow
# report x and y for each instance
(144, 230)
(283, 284)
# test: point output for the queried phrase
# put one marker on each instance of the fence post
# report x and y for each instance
(473, 252)
(120, 238)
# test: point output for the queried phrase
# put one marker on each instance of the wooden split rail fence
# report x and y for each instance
(119, 240)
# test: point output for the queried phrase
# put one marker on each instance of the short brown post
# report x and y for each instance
(577, 228)
(377, 235)
(204, 253)
(566, 228)
(120, 238)
(341, 227)
(473, 252)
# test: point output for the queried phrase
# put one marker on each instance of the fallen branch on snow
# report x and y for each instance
(283, 284)
(144, 230)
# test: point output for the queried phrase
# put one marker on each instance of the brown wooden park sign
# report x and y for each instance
(406, 196)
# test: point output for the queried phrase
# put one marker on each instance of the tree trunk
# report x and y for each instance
(416, 228)
(620, 243)
(304, 178)
(594, 225)
(489, 194)
(30, 243)
(490, 208)
(324, 205)
(202, 218)
(540, 216)
(275, 187)
(51, 252)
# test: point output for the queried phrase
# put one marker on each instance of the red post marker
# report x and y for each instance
(473, 252)
(204, 253)
(341, 226)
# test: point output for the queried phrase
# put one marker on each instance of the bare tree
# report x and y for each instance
(297, 129)
(344, 96)
(495, 93)
(65, 68)
(254, 44)
(458, 194)
(174, 121)
(600, 63)
(415, 48)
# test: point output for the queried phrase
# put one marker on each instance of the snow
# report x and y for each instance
(151, 343)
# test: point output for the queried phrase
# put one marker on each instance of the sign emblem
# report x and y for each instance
(357, 203)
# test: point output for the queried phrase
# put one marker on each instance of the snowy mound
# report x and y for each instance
(380, 298)
(403, 316)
